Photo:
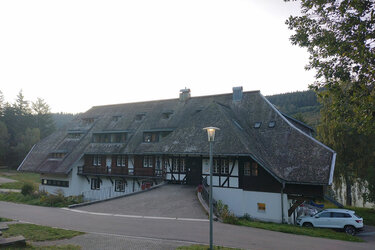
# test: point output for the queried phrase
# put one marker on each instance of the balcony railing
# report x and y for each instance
(119, 171)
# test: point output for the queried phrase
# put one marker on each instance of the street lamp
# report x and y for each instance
(211, 139)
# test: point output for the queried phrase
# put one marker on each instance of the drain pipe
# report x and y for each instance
(282, 202)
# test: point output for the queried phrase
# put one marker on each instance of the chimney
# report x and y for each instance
(184, 94)
(237, 94)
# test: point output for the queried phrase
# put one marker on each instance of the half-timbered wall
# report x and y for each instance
(225, 172)
(175, 168)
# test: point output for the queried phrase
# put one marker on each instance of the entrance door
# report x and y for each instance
(193, 171)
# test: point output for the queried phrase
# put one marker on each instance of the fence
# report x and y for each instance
(206, 195)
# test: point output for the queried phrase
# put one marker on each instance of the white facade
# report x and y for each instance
(242, 202)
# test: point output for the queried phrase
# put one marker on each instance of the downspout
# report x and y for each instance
(282, 202)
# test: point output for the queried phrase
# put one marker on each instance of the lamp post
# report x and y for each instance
(211, 139)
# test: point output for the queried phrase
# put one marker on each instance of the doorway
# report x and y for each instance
(193, 171)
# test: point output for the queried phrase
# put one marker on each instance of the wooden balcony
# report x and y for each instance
(119, 171)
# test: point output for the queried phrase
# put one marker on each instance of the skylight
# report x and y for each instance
(271, 124)
(257, 124)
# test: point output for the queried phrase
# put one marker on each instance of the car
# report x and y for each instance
(344, 219)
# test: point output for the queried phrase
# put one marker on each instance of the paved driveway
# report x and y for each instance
(173, 201)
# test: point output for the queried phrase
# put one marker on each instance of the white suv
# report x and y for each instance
(334, 218)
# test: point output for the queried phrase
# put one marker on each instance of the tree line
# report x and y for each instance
(340, 38)
(22, 124)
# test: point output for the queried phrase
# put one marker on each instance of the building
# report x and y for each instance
(265, 164)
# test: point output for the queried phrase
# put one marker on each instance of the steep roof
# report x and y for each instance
(280, 147)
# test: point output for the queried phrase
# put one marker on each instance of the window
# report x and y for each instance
(120, 186)
(246, 169)
(150, 137)
(175, 165)
(74, 135)
(97, 160)
(224, 166)
(109, 137)
(178, 165)
(254, 169)
(257, 125)
(56, 183)
(216, 166)
(261, 207)
(250, 169)
(139, 116)
(325, 215)
(121, 161)
(340, 215)
(148, 162)
(56, 155)
(116, 118)
(166, 115)
(87, 121)
(271, 124)
(95, 183)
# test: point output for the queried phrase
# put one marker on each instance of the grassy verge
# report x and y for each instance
(292, 229)
(39, 233)
(30, 246)
(204, 247)
(20, 179)
(4, 219)
(41, 199)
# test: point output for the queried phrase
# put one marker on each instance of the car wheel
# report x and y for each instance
(307, 224)
(350, 230)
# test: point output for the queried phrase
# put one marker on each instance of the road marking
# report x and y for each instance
(135, 216)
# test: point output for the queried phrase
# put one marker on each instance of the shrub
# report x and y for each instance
(27, 189)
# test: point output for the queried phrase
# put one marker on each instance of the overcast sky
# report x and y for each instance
(78, 54)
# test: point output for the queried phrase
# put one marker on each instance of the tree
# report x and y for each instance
(1, 103)
(3, 142)
(340, 37)
(43, 117)
(21, 106)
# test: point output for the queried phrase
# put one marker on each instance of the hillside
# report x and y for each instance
(302, 105)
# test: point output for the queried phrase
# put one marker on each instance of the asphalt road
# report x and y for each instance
(168, 230)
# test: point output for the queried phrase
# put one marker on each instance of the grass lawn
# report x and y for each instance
(62, 247)
(39, 233)
(4, 219)
(293, 229)
(204, 247)
(20, 178)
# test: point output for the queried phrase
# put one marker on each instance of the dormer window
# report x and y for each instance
(116, 118)
(109, 137)
(140, 116)
(271, 124)
(257, 124)
(150, 137)
(167, 114)
(88, 120)
(155, 135)
(57, 155)
(74, 135)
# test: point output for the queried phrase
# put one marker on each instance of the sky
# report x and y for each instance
(76, 54)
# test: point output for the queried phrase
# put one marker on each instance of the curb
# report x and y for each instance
(113, 198)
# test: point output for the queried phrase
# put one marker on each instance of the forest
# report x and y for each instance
(23, 124)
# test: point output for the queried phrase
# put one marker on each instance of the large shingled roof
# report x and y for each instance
(283, 150)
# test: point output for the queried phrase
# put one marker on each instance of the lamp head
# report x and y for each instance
(211, 133)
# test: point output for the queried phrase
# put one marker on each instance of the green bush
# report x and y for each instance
(223, 212)
(27, 189)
